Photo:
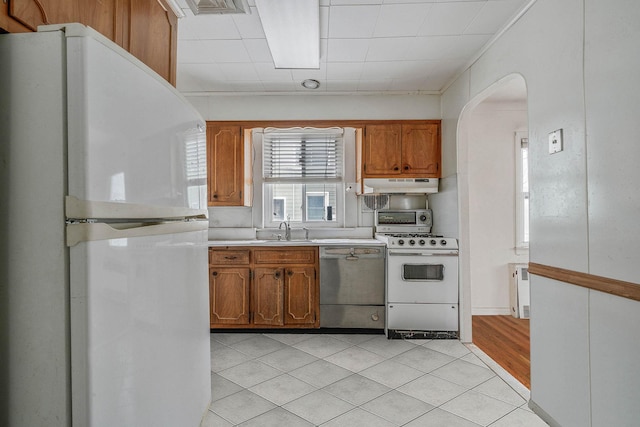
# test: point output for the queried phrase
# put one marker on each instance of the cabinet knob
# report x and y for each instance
(395, 168)
(290, 273)
(215, 196)
(407, 167)
(215, 273)
(277, 275)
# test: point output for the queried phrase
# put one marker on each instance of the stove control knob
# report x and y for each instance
(412, 242)
(443, 242)
(401, 242)
(432, 242)
(421, 242)
(423, 218)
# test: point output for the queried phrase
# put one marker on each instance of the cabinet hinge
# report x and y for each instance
(241, 194)
(250, 274)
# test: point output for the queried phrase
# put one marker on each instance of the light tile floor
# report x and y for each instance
(351, 380)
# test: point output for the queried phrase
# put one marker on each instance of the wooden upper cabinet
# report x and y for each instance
(382, 150)
(421, 150)
(152, 36)
(225, 165)
(408, 150)
(146, 28)
(32, 13)
(102, 16)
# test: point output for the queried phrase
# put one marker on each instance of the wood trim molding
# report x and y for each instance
(603, 284)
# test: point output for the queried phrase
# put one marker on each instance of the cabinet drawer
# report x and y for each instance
(228, 256)
(285, 256)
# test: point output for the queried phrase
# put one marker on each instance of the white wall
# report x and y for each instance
(491, 168)
(317, 107)
(579, 59)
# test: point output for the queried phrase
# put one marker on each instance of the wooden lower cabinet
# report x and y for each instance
(264, 287)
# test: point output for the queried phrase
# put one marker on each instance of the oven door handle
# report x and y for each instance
(452, 253)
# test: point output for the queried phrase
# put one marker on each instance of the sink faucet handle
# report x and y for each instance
(306, 233)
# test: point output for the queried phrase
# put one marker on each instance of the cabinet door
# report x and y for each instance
(225, 165)
(267, 296)
(421, 150)
(300, 295)
(102, 16)
(32, 13)
(152, 36)
(229, 295)
(382, 150)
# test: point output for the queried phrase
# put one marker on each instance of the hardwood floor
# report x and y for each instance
(506, 340)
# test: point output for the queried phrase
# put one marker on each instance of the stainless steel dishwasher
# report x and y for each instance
(352, 286)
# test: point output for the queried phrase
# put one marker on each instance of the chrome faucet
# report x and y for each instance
(287, 229)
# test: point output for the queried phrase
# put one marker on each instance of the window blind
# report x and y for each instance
(195, 157)
(302, 156)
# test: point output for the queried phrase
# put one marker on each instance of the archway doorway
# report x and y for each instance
(491, 131)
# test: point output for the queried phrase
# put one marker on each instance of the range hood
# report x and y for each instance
(400, 185)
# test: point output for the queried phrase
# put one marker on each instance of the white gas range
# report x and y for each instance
(421, 276)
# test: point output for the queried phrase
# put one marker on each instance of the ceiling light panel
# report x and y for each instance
(292, 29)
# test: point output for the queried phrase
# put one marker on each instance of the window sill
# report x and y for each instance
(522, 250)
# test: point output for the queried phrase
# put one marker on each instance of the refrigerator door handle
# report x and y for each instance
(87, 232)
(84, 209)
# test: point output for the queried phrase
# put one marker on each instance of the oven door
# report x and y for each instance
(415, 276)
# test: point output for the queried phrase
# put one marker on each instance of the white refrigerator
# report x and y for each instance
(103, 289)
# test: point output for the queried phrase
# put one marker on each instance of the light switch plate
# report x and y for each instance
(555, 141)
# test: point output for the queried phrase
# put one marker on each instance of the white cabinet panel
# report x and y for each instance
(615, 372)
(560, 351)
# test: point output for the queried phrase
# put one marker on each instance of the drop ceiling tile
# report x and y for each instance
(267, 72)
(444, 73)
(207, 27)
(391, 70)
(238, 71)
(247, 86)
(249, 25)
(324, 22)
(225, 51)
(289, 86)
(446, 47)
(344, 70)
(398, 20)
(199, 77)
(374, 85)
(192, 52)
(450, 18)
(353, 21)
(300, 74)
(347, 50)
(388, 49)
(410, 85)
(493, 16)
(258, 50)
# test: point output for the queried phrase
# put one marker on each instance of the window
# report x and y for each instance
(522, 190)
(302, 172)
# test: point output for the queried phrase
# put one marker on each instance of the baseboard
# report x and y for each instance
(490, 311)
(542, 414)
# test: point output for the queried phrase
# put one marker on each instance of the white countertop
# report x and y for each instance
(312, 242)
